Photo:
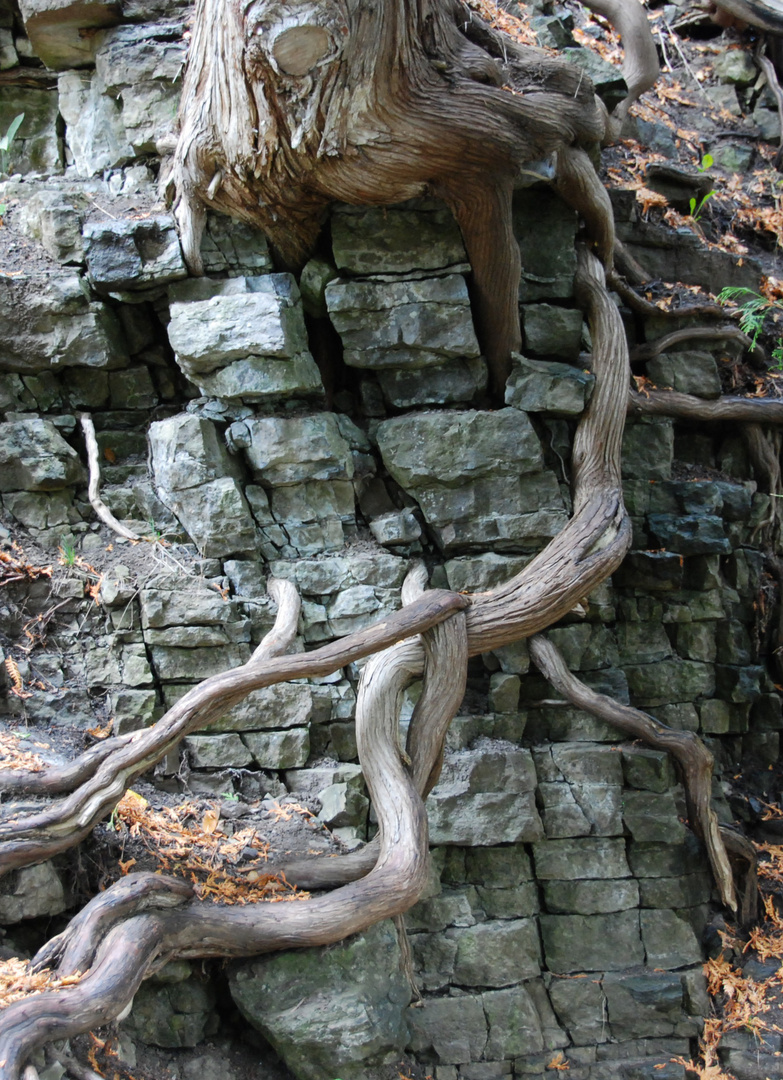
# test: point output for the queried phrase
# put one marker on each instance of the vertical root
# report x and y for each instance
(689, 752)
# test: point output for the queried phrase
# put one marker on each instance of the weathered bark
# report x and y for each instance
(766, 14)
(695, 333)
(35, 837)
(688, 407)
(124, 932)
(285, 110)
(127, 930)
(640, 59)
(587, 550)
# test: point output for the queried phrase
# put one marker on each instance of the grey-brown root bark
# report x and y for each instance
(690, 753)
(118, 945)
(688, 407)
(765, 14)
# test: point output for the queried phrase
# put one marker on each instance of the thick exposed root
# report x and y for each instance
(122, 934)
(688, 407)
(696, 333)
(131, 928)
(640, 57)
(687, 749)
(766, 14)
(587, 550)
(458, 112)
(35, 837)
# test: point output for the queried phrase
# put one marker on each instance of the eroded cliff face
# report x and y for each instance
(328, 431)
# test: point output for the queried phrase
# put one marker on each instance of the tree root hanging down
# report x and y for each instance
(690, 753)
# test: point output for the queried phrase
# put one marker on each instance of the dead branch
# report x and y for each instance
(94, 486)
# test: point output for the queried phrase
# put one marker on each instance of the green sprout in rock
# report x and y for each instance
(7, 141)
(67, 553)
(697, 205)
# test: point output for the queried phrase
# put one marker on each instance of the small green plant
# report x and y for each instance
(67, 553)
(7, 141)
(697, 205)
(753, 311)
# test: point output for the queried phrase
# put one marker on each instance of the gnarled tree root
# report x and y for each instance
(118, 945)
(587, 550)
(687, 407)
(695, 333)
(123, 933)
(690, 753)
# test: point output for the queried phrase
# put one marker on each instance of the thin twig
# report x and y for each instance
(688, 67)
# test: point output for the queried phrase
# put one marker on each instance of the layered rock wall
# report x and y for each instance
(329, 430)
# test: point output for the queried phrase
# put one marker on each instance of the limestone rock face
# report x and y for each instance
(243, 338)
(32, 892)
(283, 451)
(352, 1017)
(139, 66)
(61, 327)
(554, 389)
(35, 457)
(133, 254)
(56, 29)
(403, 323)
(215, 322)
(173, 1013)
(53, 218)
(477, 476)
(36, 148)
(419, 235)
(96, 134)
(196, 479)
(485, 797)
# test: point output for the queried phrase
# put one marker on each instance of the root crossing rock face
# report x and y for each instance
(285, 109)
